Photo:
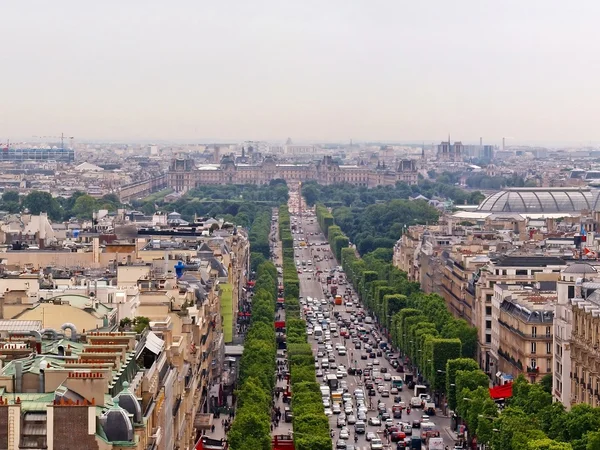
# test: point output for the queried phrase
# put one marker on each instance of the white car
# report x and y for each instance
(376, 444)
(415, 402)
(374, 421)
(328, 412)
(336, 408)
(375, 362)
(344, 433)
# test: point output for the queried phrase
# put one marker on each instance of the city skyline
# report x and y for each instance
(319, 71)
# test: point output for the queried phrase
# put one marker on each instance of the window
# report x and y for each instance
(533, 348)
(548, 365)
(533, 363)
(488, 310)
(533, 331)
(571, 292)
(548, 331)
(488, 324)
(488, 338)
(488, 298)
(548, 347)
(520, 272)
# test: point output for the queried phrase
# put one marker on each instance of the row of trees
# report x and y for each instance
(417, 323)
(344, 194)
(259, 238)
(444, 348)
(381, 225)
(79, 205)
(311, 426)
(206, 200)
(252, 425)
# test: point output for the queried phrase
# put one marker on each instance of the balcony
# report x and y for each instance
(533, 370)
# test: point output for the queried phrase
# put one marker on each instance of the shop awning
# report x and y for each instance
(502, 391)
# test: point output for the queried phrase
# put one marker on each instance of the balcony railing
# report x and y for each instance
(533, 370)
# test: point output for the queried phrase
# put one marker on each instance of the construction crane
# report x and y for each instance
(61, 137)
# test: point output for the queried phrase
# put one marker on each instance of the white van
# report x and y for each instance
(318, 332)
(368, 319)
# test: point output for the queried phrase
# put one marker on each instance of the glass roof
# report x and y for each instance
(541, 200)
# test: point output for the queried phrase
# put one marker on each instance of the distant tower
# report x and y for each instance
(503, 143)
(423, 151)
(217, 154)
(243, 152)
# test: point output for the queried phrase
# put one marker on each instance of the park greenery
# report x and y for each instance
(233, 202)
(444, 348)
(251, 427)
(345, 194)
(79, 205)
(311, 426)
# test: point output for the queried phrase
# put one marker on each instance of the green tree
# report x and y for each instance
(37, 202)
(10, 196)
(546, 383)
(141, 323)
(84, 206)
(452, 367)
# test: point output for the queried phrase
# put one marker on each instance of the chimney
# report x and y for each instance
(18, 376)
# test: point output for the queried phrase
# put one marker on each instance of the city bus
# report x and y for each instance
(338, 299)
(397, 383)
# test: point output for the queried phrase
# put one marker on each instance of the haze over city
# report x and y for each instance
(313, 70)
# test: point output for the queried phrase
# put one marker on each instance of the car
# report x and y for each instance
(389, 423)
(371, 435)
(415, 402)
(361, 416)
(386, 375)
(341, 421)
(375, 362)
(376, 444)
(344, 433)
(372, 392)
(416, 423)
(364, 356)
(359, 427)
(341, 444)
(336, 408)
(381, 407)
(328, 412)
(374, 421)
(372, 355)
(385, 416)
(351, 419)
(348, 410)
(406, 429)
(326, 403)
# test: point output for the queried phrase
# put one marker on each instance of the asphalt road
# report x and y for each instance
(311, 287)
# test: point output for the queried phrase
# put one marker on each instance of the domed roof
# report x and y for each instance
(128, 401)
(580, 268)
(116, 424)
(541, 200)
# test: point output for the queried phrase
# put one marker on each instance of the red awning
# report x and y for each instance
(280, 300)
(250, 283)
(503, 391)
(280, 324)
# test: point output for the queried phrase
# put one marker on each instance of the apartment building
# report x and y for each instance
(525, 327)
(574, 283)
(510, 270)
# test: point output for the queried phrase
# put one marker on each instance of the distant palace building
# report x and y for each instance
(184, 175)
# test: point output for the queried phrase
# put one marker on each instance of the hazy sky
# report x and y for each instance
(310, 70)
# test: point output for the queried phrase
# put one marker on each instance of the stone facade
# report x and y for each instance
(183, 175)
